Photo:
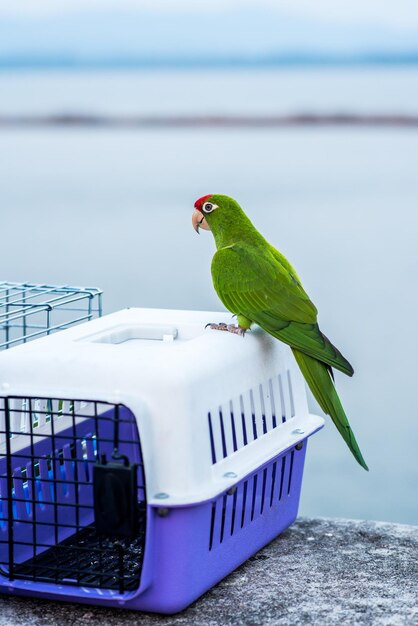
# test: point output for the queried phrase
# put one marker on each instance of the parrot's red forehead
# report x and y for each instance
(198, 204)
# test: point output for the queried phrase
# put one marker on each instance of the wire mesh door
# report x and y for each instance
(72, 493)
(29, 311)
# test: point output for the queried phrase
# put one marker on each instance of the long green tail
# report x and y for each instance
(318, 377)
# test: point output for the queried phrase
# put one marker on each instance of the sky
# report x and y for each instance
(401, 13)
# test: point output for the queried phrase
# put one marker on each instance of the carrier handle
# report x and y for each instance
(128, 332)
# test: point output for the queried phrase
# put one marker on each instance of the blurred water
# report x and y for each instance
(113, 209)
(381, 89)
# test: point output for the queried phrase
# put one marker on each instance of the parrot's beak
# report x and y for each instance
(198, 221)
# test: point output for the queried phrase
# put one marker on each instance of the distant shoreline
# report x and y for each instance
(62, 62)
(208, 121)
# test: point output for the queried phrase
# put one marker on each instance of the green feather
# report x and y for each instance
(319, 380)
(258, 284)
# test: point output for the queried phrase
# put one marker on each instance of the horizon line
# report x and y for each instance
(290, 59)
(71, 120)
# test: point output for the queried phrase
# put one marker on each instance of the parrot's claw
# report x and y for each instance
(220, 326)
(230, 328)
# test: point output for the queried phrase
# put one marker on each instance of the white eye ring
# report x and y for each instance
(208, 207)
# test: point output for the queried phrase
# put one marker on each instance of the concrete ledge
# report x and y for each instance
(319, 572)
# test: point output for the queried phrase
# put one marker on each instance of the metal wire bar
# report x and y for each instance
(10, 533)
(67, 296)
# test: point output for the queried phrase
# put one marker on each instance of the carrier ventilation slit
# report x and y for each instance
(263, 492)
(223, 518)
(273, 482)
(273, 404)
(253, 420)
(234, 433)
(263, 409)
(243, 424)
(212, 441)
(282, 402)
(289, 483)
(244, 503)
(221, 423)
(212, 524)
(292, 404)
(254, 496)
(234, 508)
(283, 468)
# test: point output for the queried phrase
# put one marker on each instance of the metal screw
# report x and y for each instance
(299, 445)
(162, 512)
(298, 431)
(161, 496)
(231, 491)
(230, 475)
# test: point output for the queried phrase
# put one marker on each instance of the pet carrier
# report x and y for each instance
(144, 457)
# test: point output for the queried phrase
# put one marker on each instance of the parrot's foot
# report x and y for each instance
(230, 328)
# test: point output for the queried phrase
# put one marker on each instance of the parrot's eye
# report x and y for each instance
(208, 207)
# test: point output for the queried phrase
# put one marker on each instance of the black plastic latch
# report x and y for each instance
(115, 498)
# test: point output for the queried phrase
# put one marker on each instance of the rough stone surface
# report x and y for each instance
(319, 572)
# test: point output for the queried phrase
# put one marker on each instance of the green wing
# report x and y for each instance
(263, 286)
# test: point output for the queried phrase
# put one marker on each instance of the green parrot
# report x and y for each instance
(258, 285)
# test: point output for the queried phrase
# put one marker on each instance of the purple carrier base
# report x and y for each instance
(214, 538)
(190, 549)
